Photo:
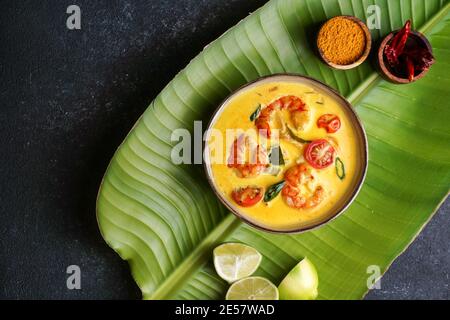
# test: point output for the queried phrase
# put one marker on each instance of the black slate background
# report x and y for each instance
(68, 98)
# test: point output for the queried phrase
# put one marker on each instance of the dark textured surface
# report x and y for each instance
(68, 98)
(423, 271)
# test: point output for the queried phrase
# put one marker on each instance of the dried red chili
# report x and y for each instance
(397, 45)
(407, 56)
(410, 67)
(422, 57)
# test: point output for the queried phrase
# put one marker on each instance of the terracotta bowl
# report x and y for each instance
(384, 67)
(363, 56)
(362, 154)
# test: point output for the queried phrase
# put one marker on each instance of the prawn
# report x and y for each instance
(297, 177)
(258, 158)
(300, 113)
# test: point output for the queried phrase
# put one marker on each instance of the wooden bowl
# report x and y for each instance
(384, 67)
(363, 56)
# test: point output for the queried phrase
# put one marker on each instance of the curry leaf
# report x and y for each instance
(255, 113)
(276, 156)
(273, 191)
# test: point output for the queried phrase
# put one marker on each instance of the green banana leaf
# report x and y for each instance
(165, 220)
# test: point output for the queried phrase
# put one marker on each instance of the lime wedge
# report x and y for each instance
(301, 282)
(252, 288)
(234, 261)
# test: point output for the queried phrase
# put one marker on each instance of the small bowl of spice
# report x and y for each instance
(344, 42)
(405, 55)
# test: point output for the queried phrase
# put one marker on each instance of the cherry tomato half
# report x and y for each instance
(329, 122)
(319, 154)
(247, 196)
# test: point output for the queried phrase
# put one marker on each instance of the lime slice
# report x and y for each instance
(234, 261)
(301, 282)
(252, 288)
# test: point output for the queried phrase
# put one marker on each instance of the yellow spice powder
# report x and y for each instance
(341, 40)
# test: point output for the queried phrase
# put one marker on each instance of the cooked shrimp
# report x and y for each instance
(300, 113)
(297, 178)
(243, 147)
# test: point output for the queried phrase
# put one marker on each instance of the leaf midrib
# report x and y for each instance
(195, 259)
(199, 256)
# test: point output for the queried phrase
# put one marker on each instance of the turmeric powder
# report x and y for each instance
(341, 40)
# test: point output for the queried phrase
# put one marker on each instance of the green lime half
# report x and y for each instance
(234, 261)
(252, 288)
(301, 282)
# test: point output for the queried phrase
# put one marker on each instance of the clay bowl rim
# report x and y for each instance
(361, 59)
(385, 69)
(354, 119)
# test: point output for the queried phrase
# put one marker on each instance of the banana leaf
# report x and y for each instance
(165, 220)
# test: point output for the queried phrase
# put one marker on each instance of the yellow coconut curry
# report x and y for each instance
(288, 157)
